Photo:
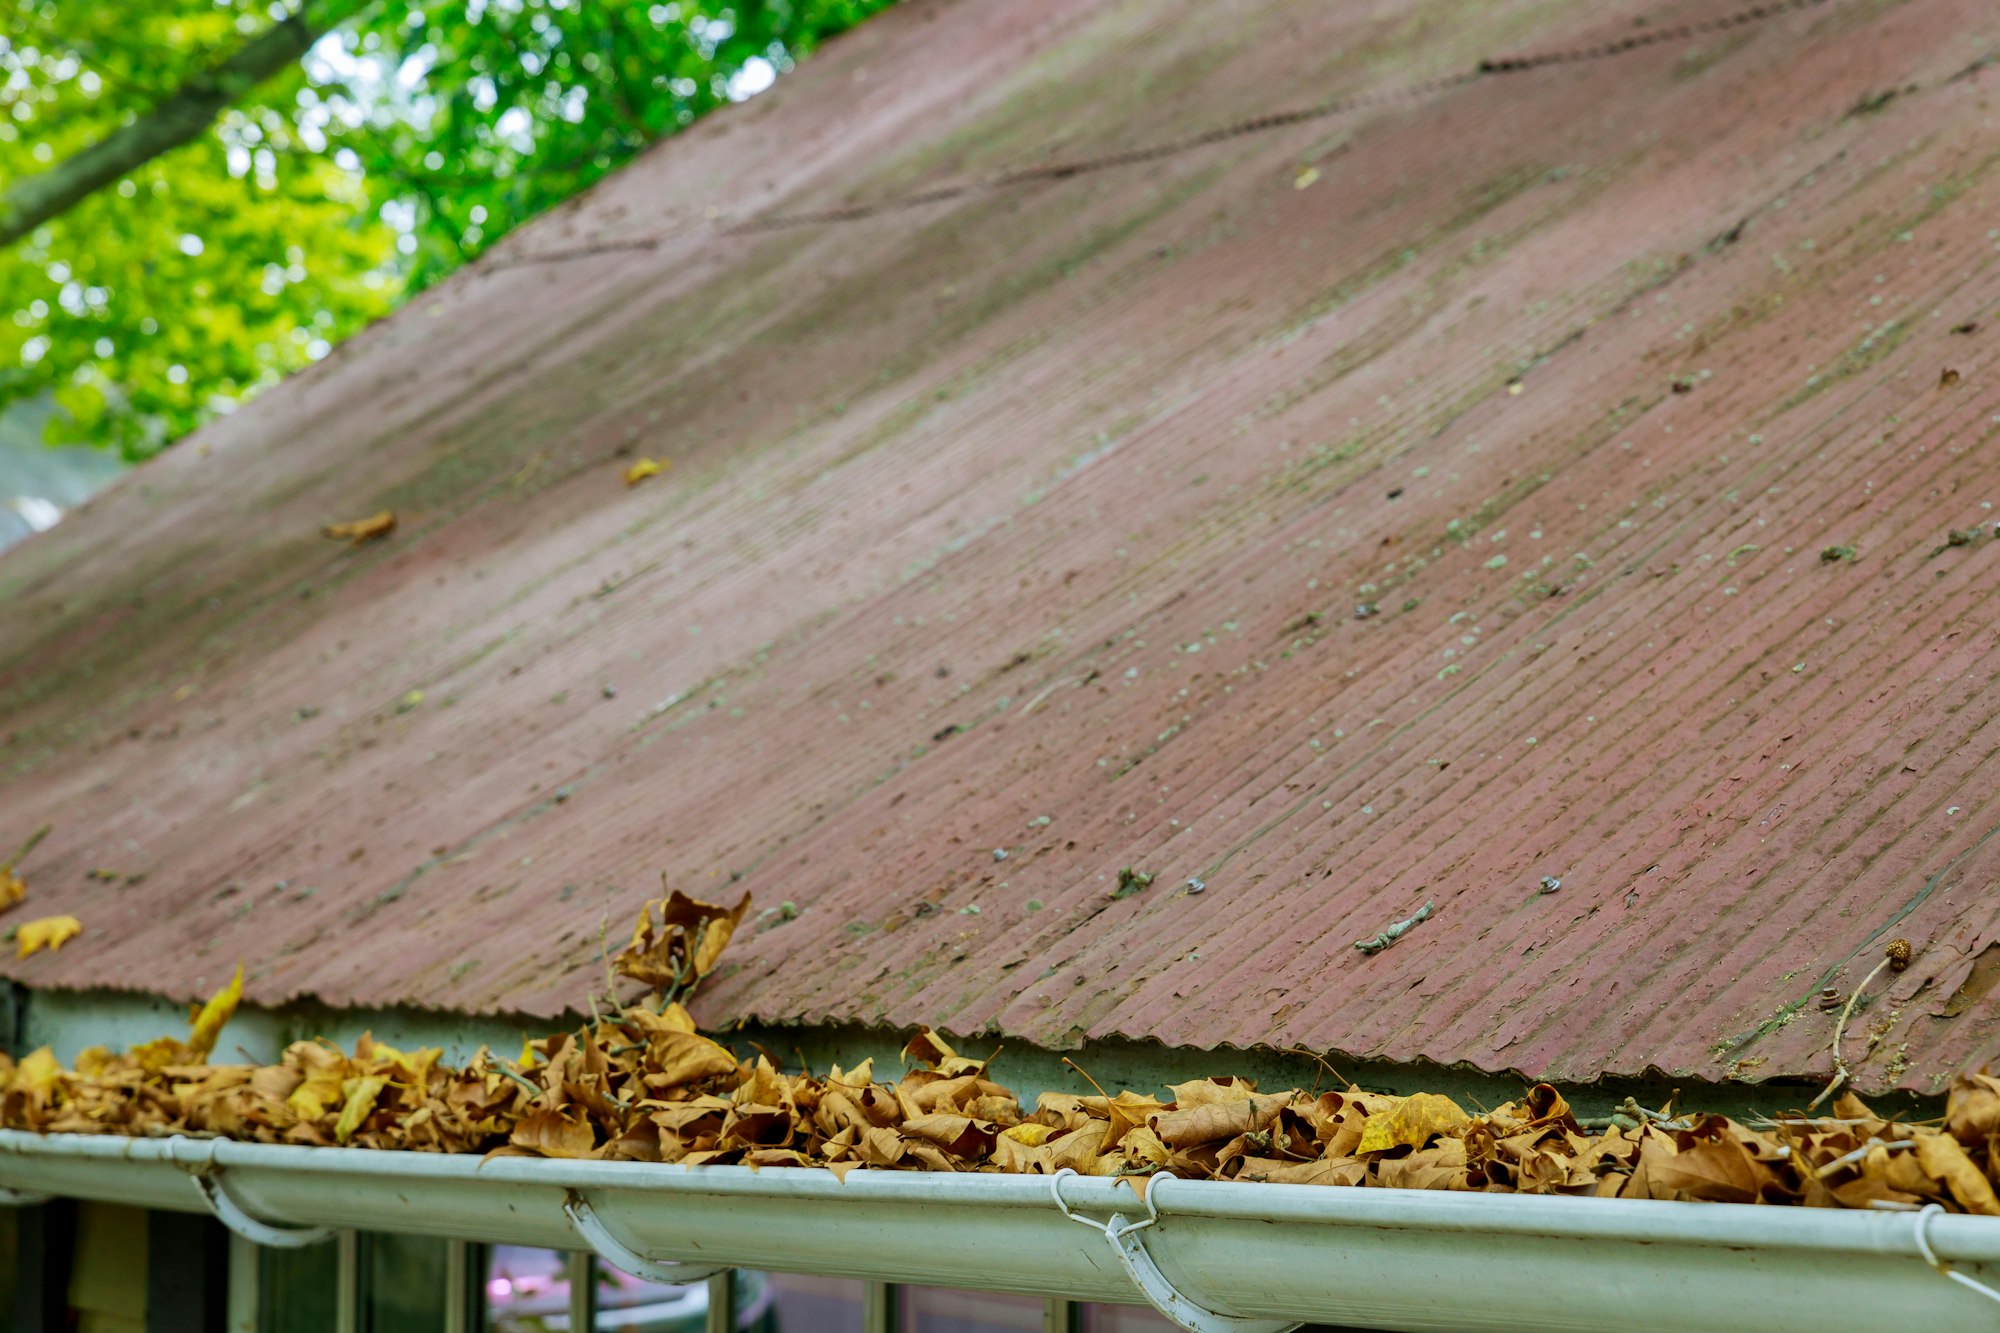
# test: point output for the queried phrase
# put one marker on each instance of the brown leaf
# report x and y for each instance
(1440, 1168)
(676, 1058)
(1945, 1161)
(672, 955)
(1714, 1171)
(931, 1051)
(553, 1134)
(1326, 1171)
(1210, 1121)
(1972, 1108)
(1203, 1091)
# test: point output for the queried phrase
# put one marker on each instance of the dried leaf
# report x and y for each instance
(553, 1134)
(682, 1057)
(48, 932)
(1412, 1123)
(1945, 1161)
(214, 1015)
(641, 469)
(361, 1095)
(363, 529)
(672, 955)
(38, 1074)
(1717, 1171)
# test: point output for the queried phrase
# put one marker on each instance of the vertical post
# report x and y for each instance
(1061, 1316)
(722, 1302)
(45, 1250)
(347, 1284)
(582, 1292)
(243, 1285)
(464, 1288)
(187, 1273)
(881, 1310)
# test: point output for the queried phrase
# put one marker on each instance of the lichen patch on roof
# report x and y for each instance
(1550, 479)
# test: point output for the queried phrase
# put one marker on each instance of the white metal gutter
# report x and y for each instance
(1262, 1256)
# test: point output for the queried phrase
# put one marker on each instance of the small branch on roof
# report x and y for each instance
(7, 867)
(1897, 956)
(1394, 931)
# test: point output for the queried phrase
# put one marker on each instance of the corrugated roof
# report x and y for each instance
(1408, 531)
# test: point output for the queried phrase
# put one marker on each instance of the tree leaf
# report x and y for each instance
(48, 932)
(1411, 1123)
(361, 1095)
(214, 1015)
(1945, 1161)
(553, 1134)
(1715, 1171)
(363, 529)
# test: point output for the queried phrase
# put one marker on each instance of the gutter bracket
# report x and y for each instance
(1924, 1216)
(591, 1230)
(1155, 1286)
(228, 1212)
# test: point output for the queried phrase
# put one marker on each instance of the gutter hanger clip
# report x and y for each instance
(1154, 1285)
(207, 1177)
(591, 1230)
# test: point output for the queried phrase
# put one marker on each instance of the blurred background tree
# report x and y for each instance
(197, 196)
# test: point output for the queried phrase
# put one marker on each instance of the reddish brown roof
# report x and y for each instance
(1039, 521)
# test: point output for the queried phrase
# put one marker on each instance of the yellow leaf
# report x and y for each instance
(414, 699)
(221, 1006)
(642, 469)
(38, 1074)
(1305, 178)
(155, 1055)
(1029, 1133)
(12, 888)
(360, 1101)
(49, 932)
(363, 529)
(1410, 1122)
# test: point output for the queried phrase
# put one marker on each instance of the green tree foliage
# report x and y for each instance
(411, 136)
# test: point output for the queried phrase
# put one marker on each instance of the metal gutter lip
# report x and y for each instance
(1375, 1257)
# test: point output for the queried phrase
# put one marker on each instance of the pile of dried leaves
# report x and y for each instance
(644, 1085)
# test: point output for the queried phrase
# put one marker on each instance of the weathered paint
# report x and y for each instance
(1038, 522)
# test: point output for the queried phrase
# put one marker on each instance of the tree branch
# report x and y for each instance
(179, 118)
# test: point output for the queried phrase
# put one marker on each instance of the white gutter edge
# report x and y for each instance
(1405, 1259)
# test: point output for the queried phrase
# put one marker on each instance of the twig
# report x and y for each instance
(1776, 1122)
(1840, 1070)
(1848, 1159)
(610, 980)
(1393, 932)
(1032, 703)
(26, 847)
(538, 1091)
(1315, 1055)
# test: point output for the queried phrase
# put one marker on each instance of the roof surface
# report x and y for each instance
(1397, 507)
